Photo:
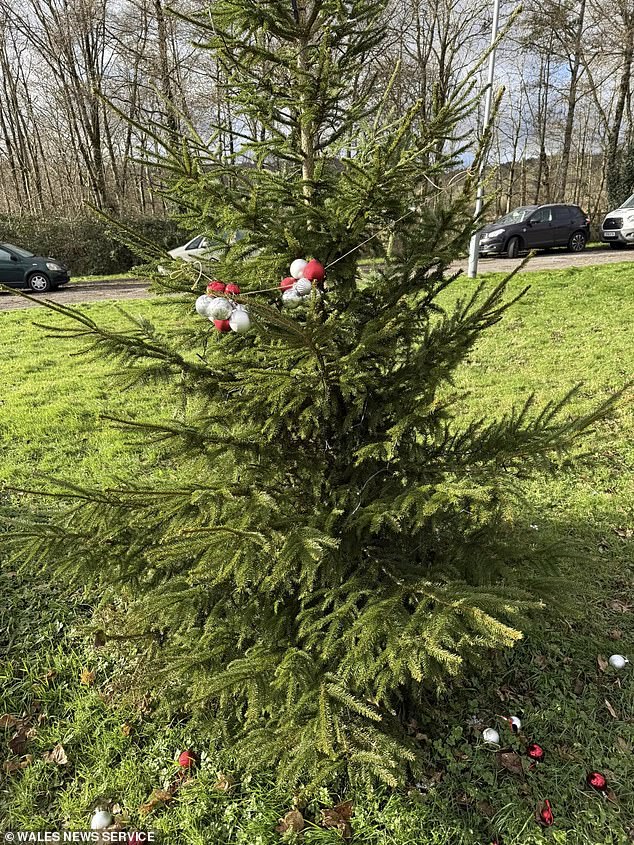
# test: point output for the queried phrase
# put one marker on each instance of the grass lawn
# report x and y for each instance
(574, 325)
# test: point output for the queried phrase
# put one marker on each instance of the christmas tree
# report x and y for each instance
(326, 545)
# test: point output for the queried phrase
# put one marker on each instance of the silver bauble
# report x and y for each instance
(617, 661)
(219, 309)
(240, 321)
(303, 287)
(202, 304)
(515, 723)
(291, 298)
(491, 736)
(101, 819)
(297, 268)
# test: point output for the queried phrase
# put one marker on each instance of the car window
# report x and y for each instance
(23, 253)
(629, 202)
(518, 215)
(195, 243)
(562, 214)
(4, 255)
(542, 215)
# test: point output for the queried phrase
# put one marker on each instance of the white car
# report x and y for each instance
(617, 228)
(199, 247)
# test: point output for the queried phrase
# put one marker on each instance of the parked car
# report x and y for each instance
(536, 227)
(20, 268)
(203, 247)
(617, 228)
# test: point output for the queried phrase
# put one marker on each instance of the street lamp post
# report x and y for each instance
(488, 99)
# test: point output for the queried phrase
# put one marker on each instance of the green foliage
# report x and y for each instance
(327, 546)
(87, 244)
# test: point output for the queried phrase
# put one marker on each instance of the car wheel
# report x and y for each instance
(513, 248)
(39, 283)
(577, 242)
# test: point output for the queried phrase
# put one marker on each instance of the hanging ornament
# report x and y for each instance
(287, 283)
(291, 298)
(314, 271)
(618, 661)
(297, 268)
(219, 309)
(597, 781)
(515, 724)
(216, 287)
(234, 290)
(303, 287)
(222, 325)
(545, 816)
(535, 752)
(101, 819)
(187, 759)
(239, 320)
(491, 736)
(202, 304)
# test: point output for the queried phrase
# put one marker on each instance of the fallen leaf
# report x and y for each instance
(619, 606)
(126, 729)
(611, 709)
(624, 533)
(159, 796)
(18, 742)
(602, 663)
(26, 761)
(57, 755)
(223, 784)
(293, 820)
(511, 761)
(8, 721)
(50, 676)
(10, 766)
(623, 745)
(87, 677)
(616, 634)
(580, 685)
(116, 809)
(540, 660)
(485, 809)
(100, 639)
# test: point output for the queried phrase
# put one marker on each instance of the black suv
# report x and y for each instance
(19, 268)
(536, 227)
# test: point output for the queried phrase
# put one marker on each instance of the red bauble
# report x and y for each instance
(314, 271)
(216, 287)
(231, 288)
(546, 817)
(535, 752)
(597, 781)
(222, 325)
(287, 283)
(187, 758)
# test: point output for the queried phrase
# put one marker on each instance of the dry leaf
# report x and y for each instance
(624, 533)
(26, 761)
(623, 745)
(10, 766)
(540, 660)
(223, 784)
(485, 809)
(580, 685)
(293, 820)
(57, 755)
(18, 742)
(126, 729)
(159, 796)
(602, 663)
(619, 606)
(116, 809)
(100, 639)
(611, 709)
(615, 634)
(8, 721)
(50, 676)
(87, 677)
(511, 761)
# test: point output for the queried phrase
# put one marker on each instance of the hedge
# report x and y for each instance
(87, 244)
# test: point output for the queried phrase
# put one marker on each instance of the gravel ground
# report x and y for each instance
(131, 289)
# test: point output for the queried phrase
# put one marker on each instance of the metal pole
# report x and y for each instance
(488, 99)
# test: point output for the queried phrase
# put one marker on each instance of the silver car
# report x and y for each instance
(617, 228)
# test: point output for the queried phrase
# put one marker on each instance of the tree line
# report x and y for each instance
(94, 90)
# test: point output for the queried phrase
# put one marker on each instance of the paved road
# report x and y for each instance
(129, 289)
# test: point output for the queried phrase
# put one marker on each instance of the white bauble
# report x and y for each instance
(515, 723)
(303, 287)
(297, 268)
(202, 304)
(101, 819)
(491, 736)
(239, 321)
(618, 661)
(219, 308)
(291, 298)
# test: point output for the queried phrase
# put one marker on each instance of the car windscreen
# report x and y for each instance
(23, 253)
(518, 215)
(629, 202)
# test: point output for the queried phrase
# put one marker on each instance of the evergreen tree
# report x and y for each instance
(327, 543)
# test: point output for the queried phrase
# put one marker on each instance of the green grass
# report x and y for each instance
(113, 277)
(573, 325)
